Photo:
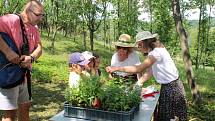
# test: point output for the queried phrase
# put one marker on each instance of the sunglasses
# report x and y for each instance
(37, 14)
(123, 48)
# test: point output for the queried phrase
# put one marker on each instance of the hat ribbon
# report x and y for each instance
(122, 41)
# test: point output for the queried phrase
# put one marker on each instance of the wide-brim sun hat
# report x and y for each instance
(144, 35)
(124, 41)
(77, 58)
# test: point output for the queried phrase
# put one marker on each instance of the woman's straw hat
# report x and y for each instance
(124, 41)
(144, 35)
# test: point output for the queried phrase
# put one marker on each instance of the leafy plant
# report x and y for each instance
(89, 89)
(120, 96)
(112, 95)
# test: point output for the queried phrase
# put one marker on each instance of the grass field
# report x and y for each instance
(50, 75)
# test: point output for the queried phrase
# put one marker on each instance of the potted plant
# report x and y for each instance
(95, 99)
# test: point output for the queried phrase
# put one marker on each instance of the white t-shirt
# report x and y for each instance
(133, 59)
(74, 78)
(164, 69)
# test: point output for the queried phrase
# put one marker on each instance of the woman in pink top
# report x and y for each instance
(17, 98)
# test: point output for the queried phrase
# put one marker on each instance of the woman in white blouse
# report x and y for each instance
(172, 102)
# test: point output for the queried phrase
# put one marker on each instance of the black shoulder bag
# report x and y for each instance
(25, 51)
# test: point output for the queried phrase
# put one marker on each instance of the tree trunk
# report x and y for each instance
(208, 34)
(185, 50)
(49, 31)
(74, 31)
(150, 11)
(53, 38)
(118, 15)
(53, 41)
(91, 39)
(105, 31)
(114, 30)
(199, 34)
(84, 36)
(84, 40)
(65, 30)
(109, 35)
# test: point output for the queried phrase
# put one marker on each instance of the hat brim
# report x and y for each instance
(153, 36)
(89, 57)
(84, 62)
(121, 44)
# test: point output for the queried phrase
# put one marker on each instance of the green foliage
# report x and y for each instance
(120, 96)
(162, 23)
(210, 51)
(127, 11)
(50, 69)
(113, 97)
(207, 47)
(204, 78)
(11, 6)
(88, 89)
(205, 110)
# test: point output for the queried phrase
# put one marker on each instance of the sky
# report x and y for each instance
(192, 14)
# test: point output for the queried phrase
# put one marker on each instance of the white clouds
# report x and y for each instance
(193, 14)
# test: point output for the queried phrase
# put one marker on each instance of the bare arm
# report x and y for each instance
(35, 54)
(38, 51)
(148, 62)
(146, 76)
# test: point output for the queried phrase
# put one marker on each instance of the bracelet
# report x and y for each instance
(32, 59)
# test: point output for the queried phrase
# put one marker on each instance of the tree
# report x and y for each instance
(161, 21)
(127, 16)
(61, 15)
(185, 50)
(92, 13)
(11, 6)
(202, 33)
